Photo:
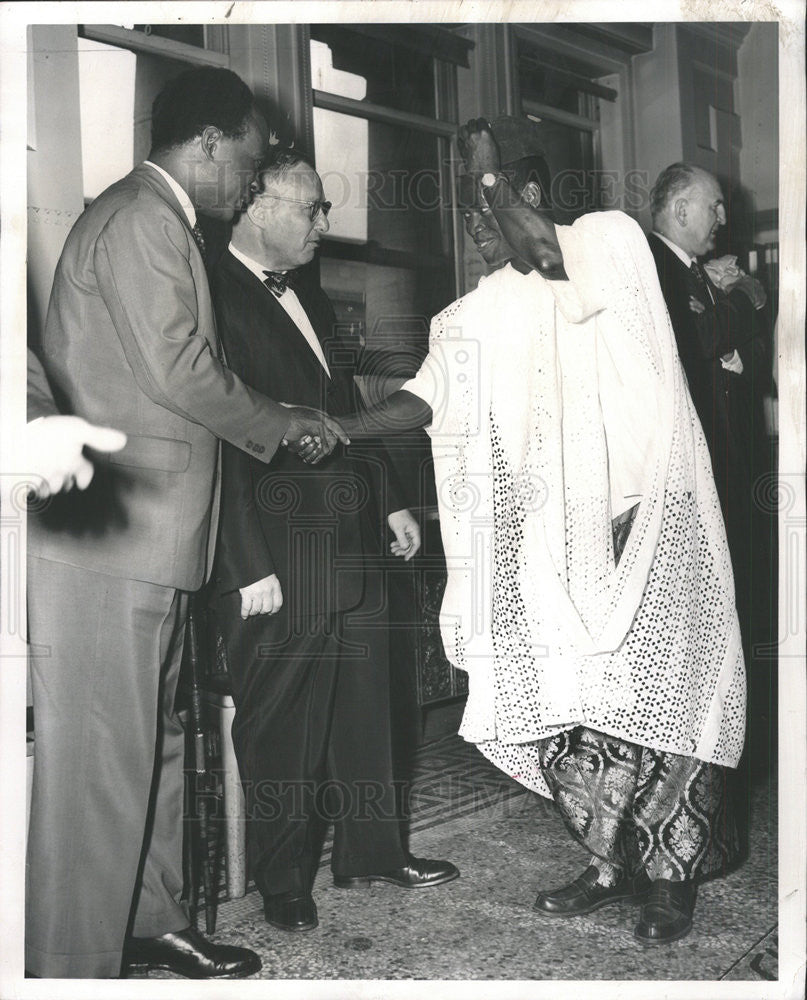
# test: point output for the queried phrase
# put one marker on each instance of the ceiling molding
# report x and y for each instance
(731, 34)
(631, 38)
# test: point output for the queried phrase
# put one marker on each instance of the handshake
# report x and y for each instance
(312, 434)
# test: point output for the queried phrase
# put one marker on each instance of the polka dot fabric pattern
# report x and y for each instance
(577, 411)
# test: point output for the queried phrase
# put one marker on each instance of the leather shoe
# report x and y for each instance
(290, 911)
(189, 954)
(667, 913)
(583, 895)
(419, 873)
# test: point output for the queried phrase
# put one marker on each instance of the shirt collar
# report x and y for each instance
(181, 195)
(682, 255)
(258, 269)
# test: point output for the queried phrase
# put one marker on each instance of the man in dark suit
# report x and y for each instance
(300, 599)
(130, 340)
(714, 347)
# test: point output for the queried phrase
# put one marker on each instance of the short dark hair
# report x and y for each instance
(278, 162)
(530, 168)
(671, 181)
(206, 95)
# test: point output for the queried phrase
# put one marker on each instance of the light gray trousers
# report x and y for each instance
(105, 836)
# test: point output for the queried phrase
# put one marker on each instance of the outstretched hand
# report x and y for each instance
(312, 434)
(478, 147)
(54, 451)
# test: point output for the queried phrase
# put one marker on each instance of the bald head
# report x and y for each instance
(687, 207)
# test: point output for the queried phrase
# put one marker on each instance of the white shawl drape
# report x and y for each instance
(557, 406)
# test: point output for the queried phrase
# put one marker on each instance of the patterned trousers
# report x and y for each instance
(638, 808)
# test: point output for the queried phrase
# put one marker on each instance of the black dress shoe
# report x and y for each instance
(583, 895)
(290, 911)
(419, 873)
(189, 954)
(667, 913)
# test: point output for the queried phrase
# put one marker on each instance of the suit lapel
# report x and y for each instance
(270, 319)
(157, 183)
(701, 330)
(674, 270)
(297, 338)
(312, 301)
(341, 358)
(684, 277)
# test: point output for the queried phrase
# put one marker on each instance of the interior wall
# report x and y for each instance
(757, 97)
(616, 150)
(55, 181)
(707, 71)
(274, 61)
(658, 133)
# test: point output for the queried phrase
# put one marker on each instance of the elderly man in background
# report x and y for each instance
(590, 594)
(713, 308)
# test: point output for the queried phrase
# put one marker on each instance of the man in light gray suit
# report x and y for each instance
(130, 340)
(54, 443)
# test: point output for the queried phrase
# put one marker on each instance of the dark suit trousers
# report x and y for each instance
(105, 837)
(312, 738)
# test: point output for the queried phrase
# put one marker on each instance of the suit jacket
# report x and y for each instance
(40, 397)
(721, 397)
(311, 525)
(130, 341)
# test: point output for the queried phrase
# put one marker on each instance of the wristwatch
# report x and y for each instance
(489, 179)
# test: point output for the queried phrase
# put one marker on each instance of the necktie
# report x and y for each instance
(700, 279)
(278, 281)
(199, 236)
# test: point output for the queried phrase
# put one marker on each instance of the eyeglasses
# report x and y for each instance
(314, 207)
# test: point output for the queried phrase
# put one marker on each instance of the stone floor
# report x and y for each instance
(509, 843)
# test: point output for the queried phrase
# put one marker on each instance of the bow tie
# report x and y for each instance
(278, 281)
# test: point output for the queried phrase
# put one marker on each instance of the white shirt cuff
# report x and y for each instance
(733, 363)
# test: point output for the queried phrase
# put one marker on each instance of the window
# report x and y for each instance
(188, 34)
(394, 75)
(107, 102)
(561, 92)
(383, 155)
(121, 71)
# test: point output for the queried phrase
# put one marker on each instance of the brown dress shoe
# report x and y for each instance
(584, 895)
(189, 954)
(290, 911)
(667, 912)
(419, 873)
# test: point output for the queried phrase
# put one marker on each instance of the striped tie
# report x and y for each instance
(700, 278)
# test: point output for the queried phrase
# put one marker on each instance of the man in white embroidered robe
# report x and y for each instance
(589, 595)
